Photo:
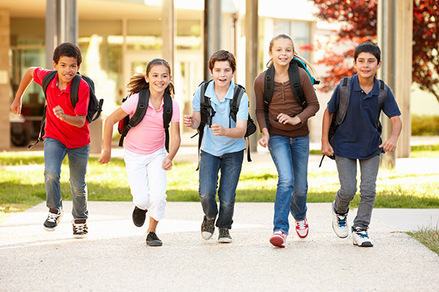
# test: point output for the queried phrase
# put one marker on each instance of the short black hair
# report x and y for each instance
(67, 50)
(368, 47)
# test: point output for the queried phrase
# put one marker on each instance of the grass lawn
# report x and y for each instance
(22, 184)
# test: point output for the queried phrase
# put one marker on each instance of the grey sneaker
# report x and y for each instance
(207, 227)
(360, 237)
(139, 216)
(224, 236)
(80, 228)
(53, 219)
(340, 223)
(153, 240)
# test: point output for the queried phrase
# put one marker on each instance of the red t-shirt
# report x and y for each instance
(70, 136)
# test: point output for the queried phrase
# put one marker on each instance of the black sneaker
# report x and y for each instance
(224, 236)
(53, 219)
(153, 240)
(139, 216)
(80, 228)
(207, 227)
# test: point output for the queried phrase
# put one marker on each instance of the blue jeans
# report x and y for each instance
(347, 174)
(54, 154)
(290, 155)
(230, 165)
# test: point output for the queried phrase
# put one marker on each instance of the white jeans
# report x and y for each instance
(147, 181)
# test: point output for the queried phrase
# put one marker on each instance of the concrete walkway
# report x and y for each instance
(114, 257)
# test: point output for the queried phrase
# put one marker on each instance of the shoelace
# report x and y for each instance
(79, 227)
(341, 221)
(301, 224)
(52, 217)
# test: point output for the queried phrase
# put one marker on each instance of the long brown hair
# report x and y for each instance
(295, 54)
(138, 82)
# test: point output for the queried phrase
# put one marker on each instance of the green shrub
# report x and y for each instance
(425, 125)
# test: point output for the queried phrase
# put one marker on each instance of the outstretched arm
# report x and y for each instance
(390, 144)
(115, 117)
(24, 83)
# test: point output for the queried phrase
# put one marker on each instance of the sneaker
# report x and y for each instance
(207, 227)
(224, 236)
(139, 216)
(360, 237)
(153, 240)
(279, 239)
(302, 228)
(53, 219)
(80, 228)
(340, 223)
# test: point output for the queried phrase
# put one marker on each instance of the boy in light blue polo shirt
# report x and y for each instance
(222, 147)
(358, 138)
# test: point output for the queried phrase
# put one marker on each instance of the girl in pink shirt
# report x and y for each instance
(146, 159)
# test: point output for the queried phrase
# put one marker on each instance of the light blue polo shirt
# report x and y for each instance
(220, 145)
(357, 137)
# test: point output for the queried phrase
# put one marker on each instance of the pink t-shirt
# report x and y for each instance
(149, 135)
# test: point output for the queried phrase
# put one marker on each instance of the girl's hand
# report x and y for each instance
(264, 140)
(188, 121)
(286, 119)
(218, 130)
(105, 157)
(16, 107)
(167, 164)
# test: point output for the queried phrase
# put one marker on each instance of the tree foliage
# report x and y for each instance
(359, 23)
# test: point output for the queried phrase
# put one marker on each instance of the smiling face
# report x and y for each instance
(222, 73)
(67, 68)
(158, 78)
(366, 65)
(281, 51)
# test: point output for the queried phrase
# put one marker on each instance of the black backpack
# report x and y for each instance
(342, 108)
(127, 123)
(207, 113)
(293, 73)
(94, 105)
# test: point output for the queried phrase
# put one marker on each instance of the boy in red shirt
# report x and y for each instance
(66, 133)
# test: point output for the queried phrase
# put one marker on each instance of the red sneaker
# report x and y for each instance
(302, 228)
(279, 239)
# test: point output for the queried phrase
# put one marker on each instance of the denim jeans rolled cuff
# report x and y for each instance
(54, 154)
(347, 172)
(230, 165)
(290, 156)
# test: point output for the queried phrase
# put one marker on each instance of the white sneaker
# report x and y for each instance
(302, 228)
(278, 239)
(360, 237)
(53, 219)
(340, 223)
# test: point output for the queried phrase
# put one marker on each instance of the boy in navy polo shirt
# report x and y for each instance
(358, 138)
(66, 133)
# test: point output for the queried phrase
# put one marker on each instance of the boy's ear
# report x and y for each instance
(54, 65)
(379, 64)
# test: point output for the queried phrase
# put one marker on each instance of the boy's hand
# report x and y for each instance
(59, 113)
(389, 145)
(188, 121)
(218, 130)
(167, 163)
(327, 149)
(16, 107)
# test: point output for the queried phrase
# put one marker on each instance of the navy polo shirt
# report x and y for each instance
(357, 137)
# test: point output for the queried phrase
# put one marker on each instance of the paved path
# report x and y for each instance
(114, 257)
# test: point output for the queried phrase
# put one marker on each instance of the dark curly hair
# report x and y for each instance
(67, 50)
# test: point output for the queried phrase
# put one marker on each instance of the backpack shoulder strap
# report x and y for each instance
(236, 101)
(46, 80)
(167, 116)
(293, 73)
(382, 95)
(74, 89)
(343, 102)
(140, 112)
(268, 91)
